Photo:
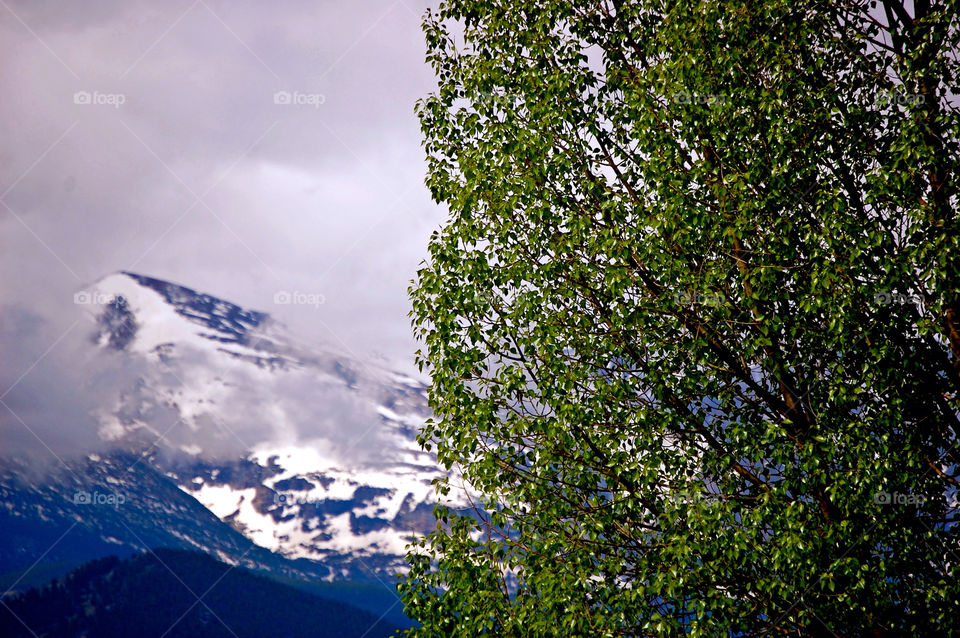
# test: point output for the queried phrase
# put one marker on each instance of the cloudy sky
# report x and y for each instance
(239, 148)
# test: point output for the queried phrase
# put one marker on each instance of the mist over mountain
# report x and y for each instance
(170, 417)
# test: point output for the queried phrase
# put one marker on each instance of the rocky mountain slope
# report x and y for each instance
(297, 452)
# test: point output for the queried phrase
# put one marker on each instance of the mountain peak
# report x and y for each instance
(136, 312)
(227, 318)
(327, 467)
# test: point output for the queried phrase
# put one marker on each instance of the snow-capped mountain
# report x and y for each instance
(116, 503)
(307, 452)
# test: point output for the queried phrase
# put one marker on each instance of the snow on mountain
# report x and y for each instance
(305, 451)
(117, 503)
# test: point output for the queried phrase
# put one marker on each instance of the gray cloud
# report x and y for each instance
(182, 166)
(63, 394)
(327, 200)
(53, 381)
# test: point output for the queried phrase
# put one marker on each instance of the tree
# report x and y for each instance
(693, 322)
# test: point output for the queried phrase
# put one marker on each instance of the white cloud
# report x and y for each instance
(327, 199)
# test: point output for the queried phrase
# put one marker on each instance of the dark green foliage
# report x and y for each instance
(155, 594)
(693, 324)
